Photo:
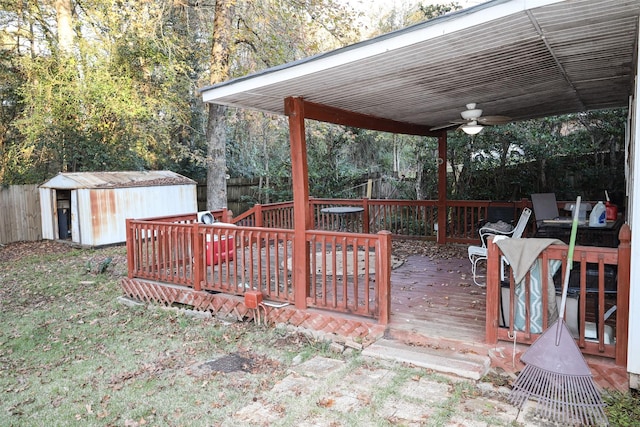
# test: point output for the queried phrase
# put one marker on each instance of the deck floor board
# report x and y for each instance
(437, 297)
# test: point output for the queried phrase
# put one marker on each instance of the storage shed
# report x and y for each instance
(91, 208)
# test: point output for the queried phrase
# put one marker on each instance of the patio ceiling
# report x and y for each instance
(520, 58)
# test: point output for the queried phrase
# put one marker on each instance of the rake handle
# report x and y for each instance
(567, 273)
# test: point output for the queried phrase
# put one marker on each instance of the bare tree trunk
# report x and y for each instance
(543, 175)
(216, 161)
(265, 153)
(418, 185)
(65, 45)
(65, 28)
(216, 125)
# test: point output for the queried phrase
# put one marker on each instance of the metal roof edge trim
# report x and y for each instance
(426, 30)
(70, 180)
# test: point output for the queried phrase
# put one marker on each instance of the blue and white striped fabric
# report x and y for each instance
(522, 256)
(535, 293)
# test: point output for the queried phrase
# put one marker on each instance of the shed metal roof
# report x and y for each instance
(520, 58)
(94, 180)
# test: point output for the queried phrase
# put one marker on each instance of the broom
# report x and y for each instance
(556, 373)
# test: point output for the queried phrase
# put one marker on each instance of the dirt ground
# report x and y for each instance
(13, 251)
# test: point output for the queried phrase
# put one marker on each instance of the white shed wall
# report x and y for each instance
(47, 212)
(102, 213)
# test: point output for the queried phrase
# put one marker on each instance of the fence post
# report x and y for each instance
(258, 215)
(365, 216)
(622, 300)
(384, 281)
(493, 292)
(196, 241)
(312, 215)
(130, 248)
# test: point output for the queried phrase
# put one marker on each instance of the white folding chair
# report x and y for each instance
(479, 253)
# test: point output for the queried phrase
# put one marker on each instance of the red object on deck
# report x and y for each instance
(611, 211)
(221, 250)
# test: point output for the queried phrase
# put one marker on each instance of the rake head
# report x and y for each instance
(568, 400)
(557, 376)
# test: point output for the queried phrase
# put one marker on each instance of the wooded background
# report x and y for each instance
(98, 85)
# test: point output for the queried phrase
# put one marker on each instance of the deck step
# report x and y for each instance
(463, 364)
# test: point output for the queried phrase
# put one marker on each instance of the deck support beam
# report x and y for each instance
(294, 109)
(297, 109)
(441, 236)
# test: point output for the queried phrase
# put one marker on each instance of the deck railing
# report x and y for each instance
(348, 272)
(274, 215)
(413, 219)
(599, 282)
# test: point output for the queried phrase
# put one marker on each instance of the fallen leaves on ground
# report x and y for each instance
(16, 250)
(405, 248)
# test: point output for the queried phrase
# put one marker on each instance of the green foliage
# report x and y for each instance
(580, 153)
(430, 11)
(405, 14)
(623, 409)
(126, 98)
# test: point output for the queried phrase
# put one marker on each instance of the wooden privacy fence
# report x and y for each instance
(240, 193)
(20, 218)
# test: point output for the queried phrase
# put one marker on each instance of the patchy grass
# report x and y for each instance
(623, 409)
(71, 354)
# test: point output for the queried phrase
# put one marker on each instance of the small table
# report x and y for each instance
(342, 213)
(606, 236)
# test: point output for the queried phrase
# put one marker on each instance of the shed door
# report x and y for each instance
(75, 227)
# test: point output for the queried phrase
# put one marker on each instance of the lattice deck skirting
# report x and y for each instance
(332, 325)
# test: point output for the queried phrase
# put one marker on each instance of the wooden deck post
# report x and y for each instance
(130, 249)
(258, 215)
(384, 281)
(442, 188)
(294, 109)
(493, 292)
(198, 266)
(624, 278)
(365, 216)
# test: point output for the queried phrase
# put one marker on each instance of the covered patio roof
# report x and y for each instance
(524, 59)
(520, 58)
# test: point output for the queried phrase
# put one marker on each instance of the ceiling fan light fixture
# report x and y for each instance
(471, 129)
(471, 113)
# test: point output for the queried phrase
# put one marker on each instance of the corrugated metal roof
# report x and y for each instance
(75, 180)
(523, 59)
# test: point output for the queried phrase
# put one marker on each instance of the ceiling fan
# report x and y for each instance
(473, 121)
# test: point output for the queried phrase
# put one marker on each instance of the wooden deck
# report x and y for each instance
(435, 303)
(436, 297)
(429, 300)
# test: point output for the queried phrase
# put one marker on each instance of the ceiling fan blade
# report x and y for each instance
(494, 120)
(439, 127)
